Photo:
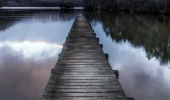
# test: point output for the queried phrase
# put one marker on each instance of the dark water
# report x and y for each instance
(138, 46)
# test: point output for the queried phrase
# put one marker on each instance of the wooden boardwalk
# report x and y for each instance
(82, 71)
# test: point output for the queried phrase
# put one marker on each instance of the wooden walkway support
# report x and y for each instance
(82, 71)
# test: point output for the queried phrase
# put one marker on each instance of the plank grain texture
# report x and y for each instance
(82, 71)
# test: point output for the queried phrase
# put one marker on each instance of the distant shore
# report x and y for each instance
(25, 8)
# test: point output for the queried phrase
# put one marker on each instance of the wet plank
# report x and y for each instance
(82, 71)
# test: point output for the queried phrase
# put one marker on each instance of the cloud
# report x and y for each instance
(33, 49)
(23, 78)
(140, 77)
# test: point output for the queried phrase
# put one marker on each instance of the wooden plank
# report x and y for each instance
(82, 71)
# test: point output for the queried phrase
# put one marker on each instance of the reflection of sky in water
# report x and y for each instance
(29, 50)
(145, 79)
(34, 30)
(33, 49)
(35, 38)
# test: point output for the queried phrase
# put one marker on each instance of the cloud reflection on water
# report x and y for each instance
(142, 78)
(29, 46)
(33, 49)
(22, 78)
(23, 74)
(37, 30)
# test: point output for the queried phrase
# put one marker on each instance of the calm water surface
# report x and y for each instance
(138, 46)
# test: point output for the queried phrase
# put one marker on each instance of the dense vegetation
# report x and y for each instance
(152, 6)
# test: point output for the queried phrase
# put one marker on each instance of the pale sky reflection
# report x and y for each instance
(33, 30)
(142, 78)
(29, 47)
(38, 37)
(33, 49)
(23, 79)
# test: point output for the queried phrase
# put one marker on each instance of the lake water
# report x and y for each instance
(138, 46)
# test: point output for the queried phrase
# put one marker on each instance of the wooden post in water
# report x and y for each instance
(82, 71)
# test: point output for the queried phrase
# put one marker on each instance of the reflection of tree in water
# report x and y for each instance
(150, 32)
(9, 18)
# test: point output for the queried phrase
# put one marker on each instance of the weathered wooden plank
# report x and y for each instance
(85, 98)
(82, 71)
(83, 83)
(85, 87)
(115, 95)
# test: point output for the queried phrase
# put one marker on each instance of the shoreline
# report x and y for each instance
(36, 8)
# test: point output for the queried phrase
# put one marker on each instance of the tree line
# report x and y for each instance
(152, 6)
